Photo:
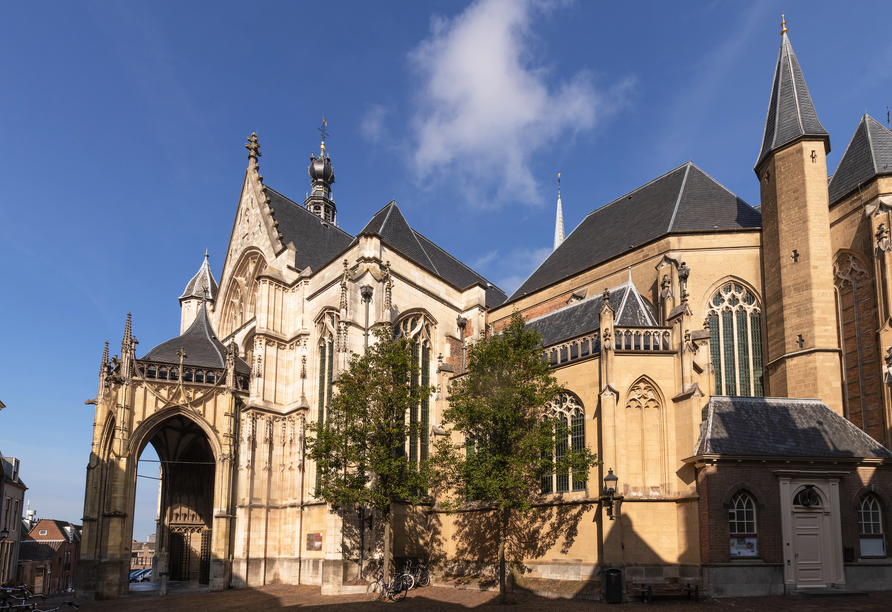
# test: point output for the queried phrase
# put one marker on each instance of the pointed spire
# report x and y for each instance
(127, 329)
(104, 363)
(202, 284)
(253, 149)
(791, 113)
(559, 221)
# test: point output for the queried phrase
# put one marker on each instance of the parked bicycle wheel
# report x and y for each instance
(399, 589)
(408, 581)
(424, 579)
(373, 592)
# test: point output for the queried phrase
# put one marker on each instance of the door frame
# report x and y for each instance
(827, 484)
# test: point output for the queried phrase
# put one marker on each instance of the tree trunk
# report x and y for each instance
(388, 550)
(503, 532)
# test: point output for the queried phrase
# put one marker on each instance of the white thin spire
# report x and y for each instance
(559, 222)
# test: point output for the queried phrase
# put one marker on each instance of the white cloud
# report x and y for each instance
(372, 125)
(485, 108)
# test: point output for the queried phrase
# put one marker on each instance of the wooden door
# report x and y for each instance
(38, 583)
(808, 547)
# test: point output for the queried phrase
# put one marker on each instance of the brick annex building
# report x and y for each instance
(684, 359)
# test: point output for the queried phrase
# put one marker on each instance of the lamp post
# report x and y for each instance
(609, 495)
(4, 534)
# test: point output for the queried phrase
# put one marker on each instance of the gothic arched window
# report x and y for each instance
(569, 422)
(735, 341)
(742, 526)
(870, 527)
(418, 330)
(326, 327)
(856, 305)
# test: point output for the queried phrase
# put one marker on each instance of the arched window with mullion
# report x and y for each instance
(742, 526)
(870, 527)
(417, 328)
(735, 332)
(568, 417)
(326, 327)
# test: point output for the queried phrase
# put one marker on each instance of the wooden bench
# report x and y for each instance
(664, 587)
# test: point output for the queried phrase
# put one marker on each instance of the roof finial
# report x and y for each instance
(253, 148)
(559, 220)
(324, 133)
(783, 25)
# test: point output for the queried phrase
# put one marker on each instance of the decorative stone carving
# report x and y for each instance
(884, 244)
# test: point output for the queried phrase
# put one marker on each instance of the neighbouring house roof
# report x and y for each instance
(202, 284)
(685, 199)
(202, 347)
(584, 316)
(791, 113)
(781, 427)
(315, 240)
(392, 227)
(35, 550)
(869, 154)
(7, 470)
(56, 530)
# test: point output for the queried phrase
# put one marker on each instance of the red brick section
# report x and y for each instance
(715, 482)
(535, 311)
(434, 599)
(455, 353)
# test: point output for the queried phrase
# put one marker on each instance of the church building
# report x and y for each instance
(729, 364)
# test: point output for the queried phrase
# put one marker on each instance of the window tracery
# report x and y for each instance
(417, 328)
(569, 421)
(856, 305)
(735, 330)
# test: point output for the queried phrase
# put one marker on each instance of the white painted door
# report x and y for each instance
(808, 543)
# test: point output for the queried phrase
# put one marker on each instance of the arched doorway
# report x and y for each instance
(186, 498)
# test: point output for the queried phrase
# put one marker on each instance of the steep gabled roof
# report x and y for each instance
(316, 241)
(392, 227)
(781, 427)
(33, 550)
(685, 199)
(869, 154)
(202, 347)
(791, 114)
(584, 317)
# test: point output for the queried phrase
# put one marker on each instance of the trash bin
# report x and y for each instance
(614, 586)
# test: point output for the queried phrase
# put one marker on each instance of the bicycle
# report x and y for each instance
(420, 575)
(396, 590)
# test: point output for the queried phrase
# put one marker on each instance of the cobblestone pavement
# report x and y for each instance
(437, 599)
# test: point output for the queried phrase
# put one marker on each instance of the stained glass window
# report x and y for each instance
(735, 344)
(569, 422)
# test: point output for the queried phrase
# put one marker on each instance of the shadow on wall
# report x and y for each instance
(531, 536)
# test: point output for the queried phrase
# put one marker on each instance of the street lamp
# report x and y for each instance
(610, 481)
(4, 534)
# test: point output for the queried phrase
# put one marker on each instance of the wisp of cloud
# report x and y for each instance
(484, 108)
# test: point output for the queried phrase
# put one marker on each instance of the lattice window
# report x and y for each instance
(735, 331)
(742, 526)
(568, 416)
(856, 304)
(418, 329)
(870, 527)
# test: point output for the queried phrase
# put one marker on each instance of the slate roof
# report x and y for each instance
(390, 224)
(33, 550)
(584, 316)
(869, 154)
(202, 347)
(317, 242)
(780, 427)
(203, 280)
(791, 114)
(685, 199)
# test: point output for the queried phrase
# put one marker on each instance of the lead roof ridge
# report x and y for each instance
(684, 182)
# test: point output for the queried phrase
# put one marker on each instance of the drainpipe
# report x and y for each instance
(366, 292)
(233, 510)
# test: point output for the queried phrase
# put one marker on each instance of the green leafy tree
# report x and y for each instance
(360, 448)
(499, 440)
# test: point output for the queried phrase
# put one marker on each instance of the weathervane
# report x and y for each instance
(324, 133)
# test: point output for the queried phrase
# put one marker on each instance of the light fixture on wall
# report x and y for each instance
(610, 482)
(4, 534)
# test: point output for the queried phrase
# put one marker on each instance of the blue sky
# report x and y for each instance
(123, 125)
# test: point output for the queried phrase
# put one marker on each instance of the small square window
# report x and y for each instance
(41, 532)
